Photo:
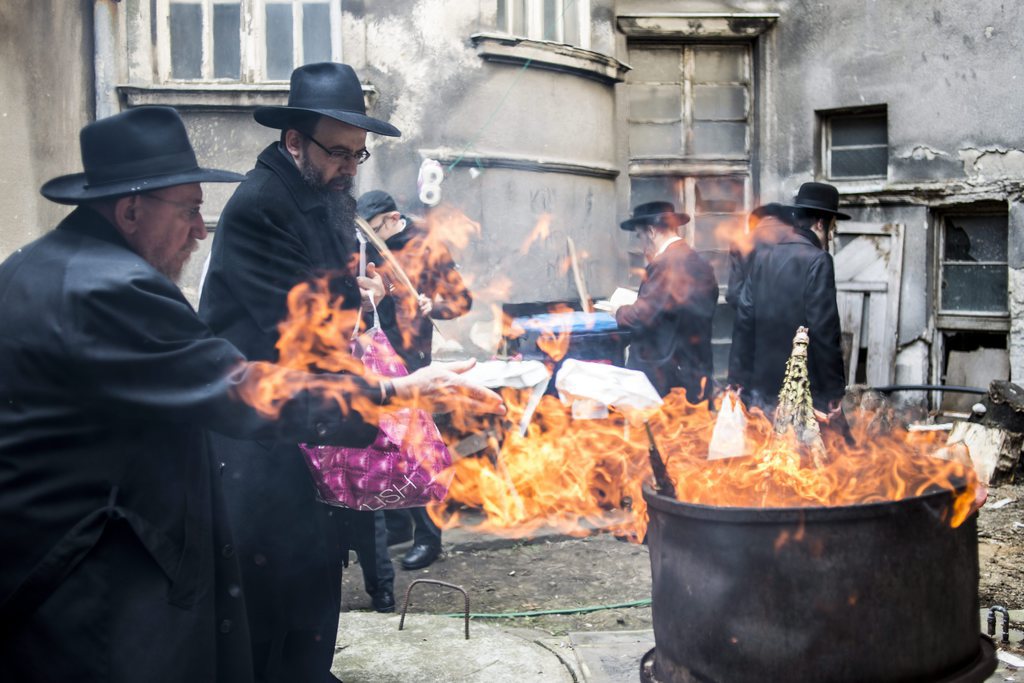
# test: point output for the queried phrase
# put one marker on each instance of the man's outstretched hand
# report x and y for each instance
(443, 389)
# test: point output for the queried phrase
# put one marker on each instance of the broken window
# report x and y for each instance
(855, 144)
(245, 40)
(560, 21)
(973, 268)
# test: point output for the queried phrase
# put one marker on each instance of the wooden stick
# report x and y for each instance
(389, 256)
(374, 239)
(577, 274)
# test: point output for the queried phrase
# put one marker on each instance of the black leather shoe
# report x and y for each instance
(383, 601)
(420, 556)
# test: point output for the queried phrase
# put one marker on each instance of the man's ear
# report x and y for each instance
(293, 143)
(126, 214)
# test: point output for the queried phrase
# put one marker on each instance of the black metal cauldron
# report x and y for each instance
(876, 593)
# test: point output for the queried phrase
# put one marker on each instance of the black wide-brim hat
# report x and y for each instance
(819, 197)
(325, 89)
(138, 150)
(653, 212)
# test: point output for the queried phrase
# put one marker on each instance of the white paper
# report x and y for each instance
(728, 440)
(620, 297)
(526, 374)
(493, 374)
(628, 391)
(1011, 659)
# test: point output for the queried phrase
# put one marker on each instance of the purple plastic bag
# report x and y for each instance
(406, 465)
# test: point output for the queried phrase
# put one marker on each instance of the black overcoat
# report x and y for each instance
(790, 285)
(670, 323)
(273, 234)
(117, 561)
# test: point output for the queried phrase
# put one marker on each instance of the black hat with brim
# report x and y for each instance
(139, 150)
(653, 212)
(820, 198)
(324, 89)
(374, 203)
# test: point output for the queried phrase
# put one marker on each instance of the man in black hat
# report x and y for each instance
(443, 295)
(789, 285)
(291, 220)
(118, 564)
(670, 323)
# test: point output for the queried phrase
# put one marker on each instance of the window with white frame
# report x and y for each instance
(560, 21)
(249, 41)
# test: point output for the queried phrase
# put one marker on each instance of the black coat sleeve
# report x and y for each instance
(142, 354)
(741, 353)
(825, 355)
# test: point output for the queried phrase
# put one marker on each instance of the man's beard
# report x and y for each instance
(337, 198)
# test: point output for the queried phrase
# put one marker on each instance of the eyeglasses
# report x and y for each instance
(193, 210)
(341, 154)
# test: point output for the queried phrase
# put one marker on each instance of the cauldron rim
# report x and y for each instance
(812, 513)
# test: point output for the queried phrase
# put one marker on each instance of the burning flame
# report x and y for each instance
(575, 476)
(578, 475)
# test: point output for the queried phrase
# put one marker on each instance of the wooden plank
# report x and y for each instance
(871, 264)
(880, 355)
(856, 286)
(890, 339)
(577, 274)
(851, 311)
(864, 259)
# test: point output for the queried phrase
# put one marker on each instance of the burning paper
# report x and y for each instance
(628, 391)
(530, 374)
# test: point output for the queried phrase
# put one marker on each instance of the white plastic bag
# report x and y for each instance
(729, 439)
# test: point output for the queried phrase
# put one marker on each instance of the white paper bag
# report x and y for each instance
(729, 438)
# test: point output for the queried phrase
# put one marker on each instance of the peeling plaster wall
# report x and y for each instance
(951, 75)
(46, 87)
(950, 72)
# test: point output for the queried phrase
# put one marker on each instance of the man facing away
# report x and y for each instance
(670, 323)
(290, 221)
(118, 562)
(788, 285)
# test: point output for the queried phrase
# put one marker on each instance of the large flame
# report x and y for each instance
(576, 476)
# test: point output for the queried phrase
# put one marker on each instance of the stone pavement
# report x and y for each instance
(433, 649)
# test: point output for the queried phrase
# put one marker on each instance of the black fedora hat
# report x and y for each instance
(820, 197)
(653, 212)
(138, 150)
(327, 89)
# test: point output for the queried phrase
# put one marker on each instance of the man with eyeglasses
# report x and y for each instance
(118, 563)
(292, 219)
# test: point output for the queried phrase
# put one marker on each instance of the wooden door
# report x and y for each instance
(869, 266)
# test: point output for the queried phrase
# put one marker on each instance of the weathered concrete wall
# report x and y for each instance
(45, 99)
(950, 73)
(452, 103)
